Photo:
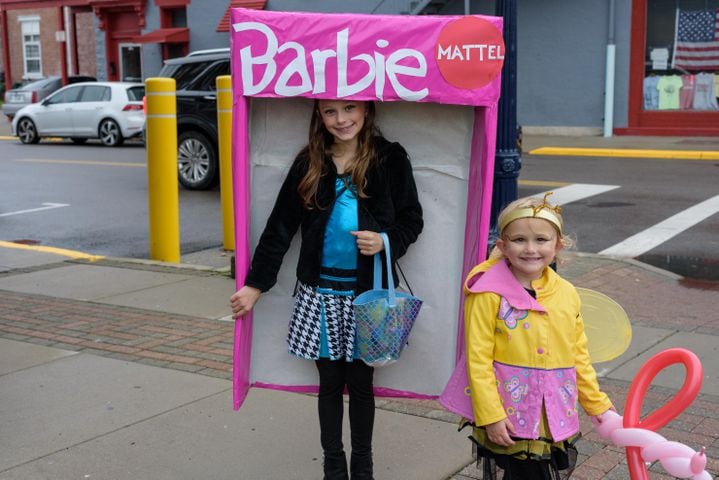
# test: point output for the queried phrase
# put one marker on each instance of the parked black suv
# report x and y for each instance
(197, 151)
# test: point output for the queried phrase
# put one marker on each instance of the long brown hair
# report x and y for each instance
(318, 148)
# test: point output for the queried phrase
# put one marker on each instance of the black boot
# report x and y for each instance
(335, 466)
(361, 466)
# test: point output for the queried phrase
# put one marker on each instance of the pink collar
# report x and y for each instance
(500, 280)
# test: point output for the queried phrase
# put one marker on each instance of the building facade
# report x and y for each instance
(584, 66)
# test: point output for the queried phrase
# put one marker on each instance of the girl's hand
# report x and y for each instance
(600, 418)
(498, 432)
(243, 300)
(368, 242)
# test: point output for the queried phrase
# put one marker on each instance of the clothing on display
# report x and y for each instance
(669, 87)
(705, 92)
(686, 92)
(651, 93)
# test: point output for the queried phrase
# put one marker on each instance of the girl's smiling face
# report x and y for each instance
(530, 245)
(343, 119)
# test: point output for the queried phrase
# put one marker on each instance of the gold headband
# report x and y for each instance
(544, 211)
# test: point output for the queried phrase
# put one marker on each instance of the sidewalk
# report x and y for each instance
(120, 369)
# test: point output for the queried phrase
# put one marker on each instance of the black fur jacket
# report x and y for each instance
(392, 207)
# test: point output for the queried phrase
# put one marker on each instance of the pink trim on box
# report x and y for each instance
(372, 38)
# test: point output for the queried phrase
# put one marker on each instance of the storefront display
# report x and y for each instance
(674, 71)
(682, 63)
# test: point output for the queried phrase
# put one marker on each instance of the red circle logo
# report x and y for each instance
(470, 52)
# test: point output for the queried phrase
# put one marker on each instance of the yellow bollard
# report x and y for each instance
(224, 139)
(161, 144)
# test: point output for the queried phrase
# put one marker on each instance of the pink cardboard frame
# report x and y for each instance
(453, 60)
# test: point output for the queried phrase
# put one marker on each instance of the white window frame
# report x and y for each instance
(30, 27)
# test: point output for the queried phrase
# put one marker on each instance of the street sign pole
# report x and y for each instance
(507, 160)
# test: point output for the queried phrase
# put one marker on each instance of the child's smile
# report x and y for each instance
(530, 245)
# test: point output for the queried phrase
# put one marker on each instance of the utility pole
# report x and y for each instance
(507, 160)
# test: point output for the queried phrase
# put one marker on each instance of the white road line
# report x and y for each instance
(574, 192)
(646, 240)
(48, 206)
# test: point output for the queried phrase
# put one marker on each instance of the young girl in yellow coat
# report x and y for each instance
(527, 357)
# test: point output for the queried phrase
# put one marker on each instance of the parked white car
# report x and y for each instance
(35, 91)
(110, 111)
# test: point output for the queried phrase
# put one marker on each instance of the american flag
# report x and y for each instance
(696, 41)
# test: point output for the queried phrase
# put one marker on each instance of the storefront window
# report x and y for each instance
(682, 55)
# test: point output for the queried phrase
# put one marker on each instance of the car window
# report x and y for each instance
(135, 94)
(35, 85)
(95, 93)
(209, 82)
(70, 94)
(187, 73)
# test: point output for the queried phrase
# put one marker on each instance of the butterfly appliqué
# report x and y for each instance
(515, 389)
(566, 391)
(510, 315)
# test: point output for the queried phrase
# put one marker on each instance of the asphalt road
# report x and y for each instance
(653, 197)
(94, 199)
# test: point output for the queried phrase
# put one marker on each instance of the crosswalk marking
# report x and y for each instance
(576, 191)
(646, 240)
(46, 206)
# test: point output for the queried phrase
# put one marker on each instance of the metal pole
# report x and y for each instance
(224, 137)
(507, 158)
(609, 75)
(164, 206)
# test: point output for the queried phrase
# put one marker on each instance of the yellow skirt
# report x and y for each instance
(542, 448)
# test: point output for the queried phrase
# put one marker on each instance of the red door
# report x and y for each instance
(122, 27)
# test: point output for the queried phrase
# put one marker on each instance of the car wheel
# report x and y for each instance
(27, 132)
(78, 140)
(109, 133)
(196, 161)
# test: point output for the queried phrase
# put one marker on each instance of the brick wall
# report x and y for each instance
(49, 49)
(86, 44)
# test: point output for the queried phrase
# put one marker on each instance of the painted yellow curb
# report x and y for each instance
(627, 153)
(75, 255)
(82, 162)
(44, 139)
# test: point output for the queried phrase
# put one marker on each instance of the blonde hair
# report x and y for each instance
(532, 207)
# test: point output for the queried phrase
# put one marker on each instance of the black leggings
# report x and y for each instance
(357, 376)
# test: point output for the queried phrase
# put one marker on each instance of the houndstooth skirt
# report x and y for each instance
(312, 305)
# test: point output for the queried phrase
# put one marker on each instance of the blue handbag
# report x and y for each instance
(384, 317)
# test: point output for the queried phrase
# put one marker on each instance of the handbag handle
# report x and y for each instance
(377, 281)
